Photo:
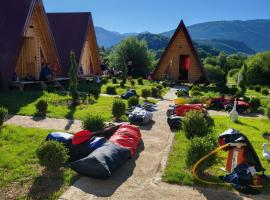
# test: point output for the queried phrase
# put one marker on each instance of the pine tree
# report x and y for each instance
(73, 81)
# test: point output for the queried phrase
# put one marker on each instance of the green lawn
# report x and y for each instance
(265, 100)
(176, 170)
(23, 103)
(19, 168)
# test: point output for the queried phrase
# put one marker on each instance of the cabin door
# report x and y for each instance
(183, 67)
(30, 57)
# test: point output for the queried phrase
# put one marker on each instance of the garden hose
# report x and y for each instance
(208, 182)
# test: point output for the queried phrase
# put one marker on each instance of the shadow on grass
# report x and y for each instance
(70, 116)
(105, 188)
(244, 124)
(46, 185)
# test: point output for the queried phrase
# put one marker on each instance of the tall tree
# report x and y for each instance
(133, 50)
(73, 79)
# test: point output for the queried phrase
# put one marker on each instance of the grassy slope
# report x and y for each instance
(177, 172)
(19, 165)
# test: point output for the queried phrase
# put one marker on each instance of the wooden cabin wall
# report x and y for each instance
(180, 46)
(95, 58)
(86, 59)
(36, 39)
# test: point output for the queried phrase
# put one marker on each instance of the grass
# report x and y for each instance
(19, 168)
(24, 104)
(176, 170)
(265, 100)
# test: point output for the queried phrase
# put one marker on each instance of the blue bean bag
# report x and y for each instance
(102, 162)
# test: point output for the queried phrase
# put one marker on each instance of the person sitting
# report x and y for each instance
(46, 73)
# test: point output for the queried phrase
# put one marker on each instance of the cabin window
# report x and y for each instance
(184, 63)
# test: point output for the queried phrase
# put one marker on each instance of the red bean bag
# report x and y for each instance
(127, 136)
(181, 110)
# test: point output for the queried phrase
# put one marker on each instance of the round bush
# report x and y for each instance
(195, 93)
(258, 88)
(160, 87)
(93, 122)
(133, 101)
(122, 84)
(251, 87)
(3, 115)
(254, 103)
(114, 81)
(140, 81)
(52, 155)
(233, 90)
(146, 93)
(41, 108)
(118, 108)
(200, 147)
(265, 91)
(194, 124)
(155, 92)
(94, 92)
(132, 82)
(104, 80)
(111, 90)
(165, 83)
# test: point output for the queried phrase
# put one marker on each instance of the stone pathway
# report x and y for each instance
(47, 123)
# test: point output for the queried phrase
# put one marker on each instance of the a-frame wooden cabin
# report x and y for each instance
(75, 31)
(26, 40)
(180, 60)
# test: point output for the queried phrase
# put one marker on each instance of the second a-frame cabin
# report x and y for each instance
(180, 61)
(26, 40)
(75, 32)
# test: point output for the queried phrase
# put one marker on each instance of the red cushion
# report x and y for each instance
(127, 136)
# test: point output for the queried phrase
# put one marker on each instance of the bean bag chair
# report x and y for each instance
(174, 122)
(102, 162)
(140, 116)
(181, 110)
(171, 110)
(84, 149)
(64, 138)
(127, 136)
(129, 94)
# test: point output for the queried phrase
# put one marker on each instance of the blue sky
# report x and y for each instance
(157, 16)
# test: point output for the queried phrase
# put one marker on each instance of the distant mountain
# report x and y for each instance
(154, 41)
(227, 46)
(254, 33)
(109, 38)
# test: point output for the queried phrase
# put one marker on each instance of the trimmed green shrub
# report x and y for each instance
(73, 79)
(118, 108)
(258, 88)
(198, 148)
(233, 90)
(155, 92)
(268, 112)
(160, 87)
(41, 108)
(146, 93)
(194, 124)
(104, 80)
(262, 110)
(94, 92)
(133, 101)
(165, 83)
(132, 82)
(254, 103)
(111, 90)
(114, 81)
(195, 99)
(239, 94)
(251, 87)
(265, 91)
(181, 93)
(3, 115)
(52, 155)
(122, 84)
(140, 81)
(93, 122)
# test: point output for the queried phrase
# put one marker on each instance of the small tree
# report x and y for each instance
(3, 115)
(146, 93)
(41, 108)
(242, 79)
(118, 108)
(73, 80)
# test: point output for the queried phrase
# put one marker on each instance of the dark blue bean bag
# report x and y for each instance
(102, 162)
(64, 138)
(129, 94)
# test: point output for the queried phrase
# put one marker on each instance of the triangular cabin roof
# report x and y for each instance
(70, 32)
(182, 27)
(15, 16)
